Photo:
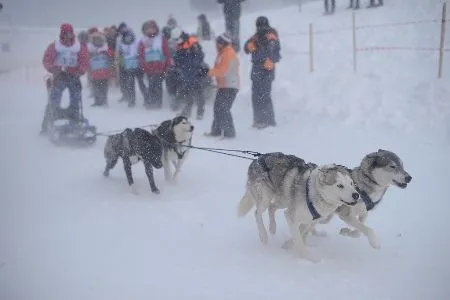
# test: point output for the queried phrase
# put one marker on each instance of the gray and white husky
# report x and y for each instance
(376, 173)
(308, 193)
(176, 138)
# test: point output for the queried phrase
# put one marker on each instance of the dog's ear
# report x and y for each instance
(327, 174)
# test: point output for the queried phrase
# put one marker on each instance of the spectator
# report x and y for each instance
(264, 47)
(226, 72)
(232, 12)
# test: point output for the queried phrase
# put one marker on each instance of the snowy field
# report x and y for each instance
(67, 233)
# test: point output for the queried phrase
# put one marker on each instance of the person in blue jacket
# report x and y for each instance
(264, 47)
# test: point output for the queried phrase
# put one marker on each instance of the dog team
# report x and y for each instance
(308, 193)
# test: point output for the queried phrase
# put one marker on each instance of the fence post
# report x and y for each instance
(311, 48)
(300, 5)
(441, 46)
(354, 41)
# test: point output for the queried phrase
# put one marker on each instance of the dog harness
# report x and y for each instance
(310, 205)
(368, 202)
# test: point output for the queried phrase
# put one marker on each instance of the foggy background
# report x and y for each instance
(86, 13)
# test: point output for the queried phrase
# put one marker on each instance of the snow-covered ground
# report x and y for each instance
(68, 233)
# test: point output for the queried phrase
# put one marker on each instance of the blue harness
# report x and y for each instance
(310, 205)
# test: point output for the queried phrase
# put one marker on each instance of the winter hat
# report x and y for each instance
(262, 22)
(178, 35)
(128, 37)
(98, 39)
(83, 37)
(172, 22)
(224, 39)
(150, 24)
(92, 30)
(122, 27)
(66, 35)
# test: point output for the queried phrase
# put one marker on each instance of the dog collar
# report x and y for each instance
(315, 215)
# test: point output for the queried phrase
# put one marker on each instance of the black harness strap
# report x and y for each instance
(368, 202)
(310, 205)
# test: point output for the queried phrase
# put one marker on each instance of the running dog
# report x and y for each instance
(376, 173)
(134, 146)
(308, 192)
(176, 138)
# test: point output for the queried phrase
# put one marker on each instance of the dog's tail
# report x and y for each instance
(245, 205)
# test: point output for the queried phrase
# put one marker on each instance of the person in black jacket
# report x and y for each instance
(232, 12)
(264, 47)
(189, 62)
(331, 10)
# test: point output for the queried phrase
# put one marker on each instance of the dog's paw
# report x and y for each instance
(287, 245)
(273, 228)
(349, 232)
(373, 239)
(263, 238)
(156, 191)
(318, 233)
(134, 190)
(106, 173)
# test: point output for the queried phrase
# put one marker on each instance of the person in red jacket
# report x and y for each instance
(66, 59)
(154, 59)
(100, 62)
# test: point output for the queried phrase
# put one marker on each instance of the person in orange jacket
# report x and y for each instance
(226, 73)
(264, 47)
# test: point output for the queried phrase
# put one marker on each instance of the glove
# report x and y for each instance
(268, 64)
(55, 71)
(251, 47)
(203, 71)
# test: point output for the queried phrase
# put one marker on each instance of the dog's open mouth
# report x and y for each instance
(400, 185)
(353, 203)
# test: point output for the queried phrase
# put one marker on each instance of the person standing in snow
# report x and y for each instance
(226, 72)
(154, 59)
(189, 62)
(100, 62)
(372, 3)
(129, 63)
(264, 47)
(66, 59)
(204, 31)
(232, 12)
(331, 10)
(170, 25)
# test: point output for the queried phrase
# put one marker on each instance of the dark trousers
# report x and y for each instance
(354, 4)
(129, 85)
(232, 26)
(263, 114)
(53, 110)
(153, 98)
(193, 94)
(223, 120)
(327, 6)
(372, 3)
(100, 89)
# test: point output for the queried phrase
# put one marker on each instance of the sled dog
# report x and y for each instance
(308, 193)
(134, 146)
(176, 137)
(376, 173)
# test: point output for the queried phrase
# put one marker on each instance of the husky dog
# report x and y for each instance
(308, 192)
(376, 173)
(134, 146)
(176, 137)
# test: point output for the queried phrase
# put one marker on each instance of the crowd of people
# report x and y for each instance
(330, 5)
(117, 56)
